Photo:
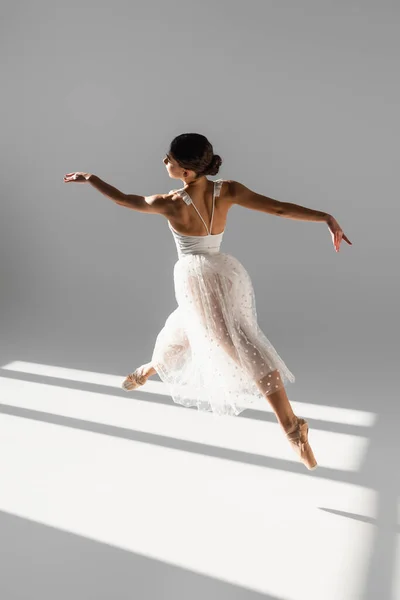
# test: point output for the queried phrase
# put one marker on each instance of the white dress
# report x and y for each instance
(211, 353)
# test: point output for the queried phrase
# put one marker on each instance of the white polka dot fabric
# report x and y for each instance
(211, 352)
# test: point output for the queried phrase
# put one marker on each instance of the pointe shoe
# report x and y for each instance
(134, 380)
(298, 437)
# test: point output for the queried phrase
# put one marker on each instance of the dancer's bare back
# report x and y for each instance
(186, 221)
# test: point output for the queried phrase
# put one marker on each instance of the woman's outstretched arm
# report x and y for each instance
(106, 189)
(156, 204)
(245, 197)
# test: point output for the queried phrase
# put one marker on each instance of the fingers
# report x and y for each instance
(339, 236)
(337, 240)
(74, 177)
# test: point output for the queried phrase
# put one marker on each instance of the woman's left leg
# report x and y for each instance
(138, 377)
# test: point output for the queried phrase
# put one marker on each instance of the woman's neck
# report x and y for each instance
(199, 184)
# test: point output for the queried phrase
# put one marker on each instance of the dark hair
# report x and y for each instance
(193, 151)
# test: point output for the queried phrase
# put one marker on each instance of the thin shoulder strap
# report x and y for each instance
(212, 213)
(184, 195)
(213, 206)
(217, 190)
(218, 184)
(188, 201)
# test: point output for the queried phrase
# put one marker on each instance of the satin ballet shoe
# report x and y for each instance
(298, 437)
(133, 381)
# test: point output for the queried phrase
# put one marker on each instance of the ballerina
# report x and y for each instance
(211, 352)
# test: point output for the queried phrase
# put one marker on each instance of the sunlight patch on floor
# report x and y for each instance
(333, 450)
(258, 527)
(332, 414)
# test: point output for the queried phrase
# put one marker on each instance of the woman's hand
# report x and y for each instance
(336, 232)
(77, 177)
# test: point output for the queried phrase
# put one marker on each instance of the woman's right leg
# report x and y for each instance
(296, 429)
(278, 401)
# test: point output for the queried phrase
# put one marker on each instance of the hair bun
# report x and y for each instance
(193, 151)
(215, 164)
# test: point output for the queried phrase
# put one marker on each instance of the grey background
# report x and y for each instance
(301, 101)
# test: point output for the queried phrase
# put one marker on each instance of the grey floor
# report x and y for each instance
(106, 494)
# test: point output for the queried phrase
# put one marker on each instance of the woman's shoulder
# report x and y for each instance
(226, 194)
(226, 190)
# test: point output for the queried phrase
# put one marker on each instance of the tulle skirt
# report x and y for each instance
(211, 352)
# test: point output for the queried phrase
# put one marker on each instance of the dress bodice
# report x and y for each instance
(198, 244)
